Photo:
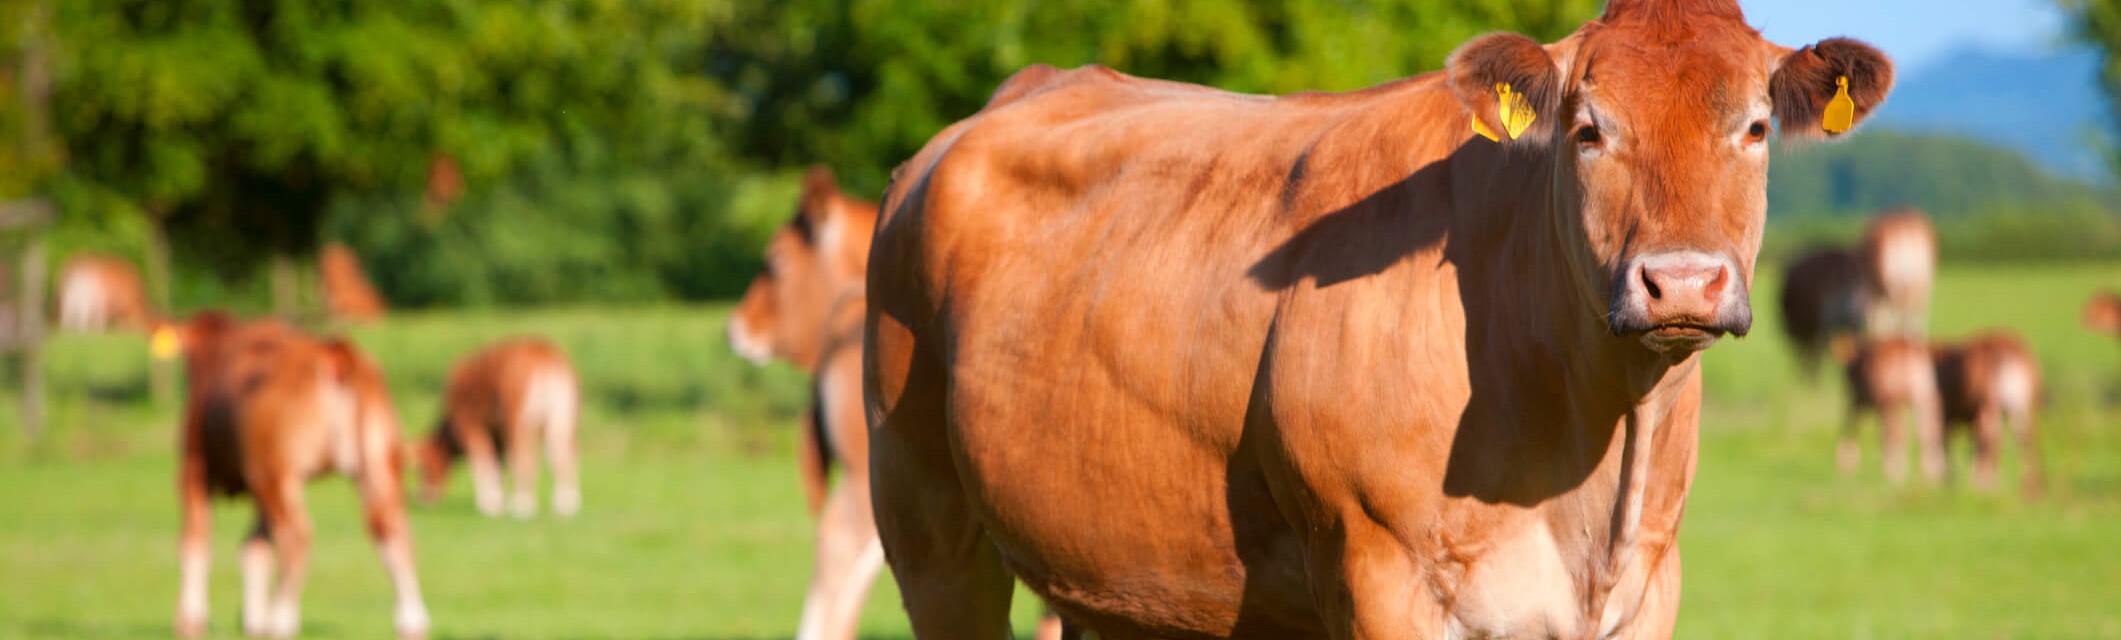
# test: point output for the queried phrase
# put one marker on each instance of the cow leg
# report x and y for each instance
(1849, 453)
(383, 500)
(257, 577)
(285, 516)
(1893, 430)
(1928, 416)
(1658, 614)
(1052, 627)
(1987, 431)
(810, 462)
(560, 451)
(2021, 419)
(848, 560)
(523, 465)
(194, 546)
(1360, 580)
(485, 470)
(949, 573)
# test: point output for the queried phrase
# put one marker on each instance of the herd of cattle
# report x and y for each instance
(1414, 361)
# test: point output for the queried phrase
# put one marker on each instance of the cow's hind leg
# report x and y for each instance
(848, 559)
(194, 548)
(281, 501)
(257, 577)
(949, 573)
(523, 466)
(383, 500)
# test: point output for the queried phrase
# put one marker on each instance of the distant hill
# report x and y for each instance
(2047, 106)
(1946, 175)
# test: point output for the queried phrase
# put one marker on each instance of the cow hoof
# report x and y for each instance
(191, 628)
(523, 507)
(566, 503)
(412, 622)
(285, 622)
(490, 508)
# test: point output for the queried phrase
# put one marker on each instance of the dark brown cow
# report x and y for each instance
(806, 308)
(100, 292)
(267, 409)
(1899, 253)
(1823, 297)
(1200, 364)
(507, 398)
(1989, 383)
(347, 293)
(1895, 379)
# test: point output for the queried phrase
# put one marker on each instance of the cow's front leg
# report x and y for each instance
(1658, 613)
(193, 546)
(1367, 586)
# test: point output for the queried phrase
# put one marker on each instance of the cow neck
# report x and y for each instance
(1547, 337)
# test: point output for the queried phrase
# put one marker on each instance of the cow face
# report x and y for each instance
(1655, 121)
(809, 264)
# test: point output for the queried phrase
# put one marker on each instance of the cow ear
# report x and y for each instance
(819, 187)
(342, 359)
(1826, 89)
(1509, 85)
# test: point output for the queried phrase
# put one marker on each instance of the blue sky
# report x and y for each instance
(1914, 32)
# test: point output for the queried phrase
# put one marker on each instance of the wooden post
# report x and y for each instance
(28, 218)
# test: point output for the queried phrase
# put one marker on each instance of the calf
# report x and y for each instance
(506, 398)
(1987, 382)
(347, 293)
(2102, 313)
(1894, 378)
(267, 409)
(1899, 253)
(99, 292)
(1822, 297)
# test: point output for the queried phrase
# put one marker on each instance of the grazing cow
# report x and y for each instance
(1899, 253)
(267, 409)
(347, 293)
(1896, 379)
(1413, 361)
(2102, 313)
(806, 308)
(504, 400)
(99, 292)
(1822, 298)
(1987, 383)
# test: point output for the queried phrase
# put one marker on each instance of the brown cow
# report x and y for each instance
(1896, 379)
(1899, 253)
(2102, 313)
(99, 292)
(1200, 364)
(806, 308)
(1823, 297)
(347, 293)
(1987, 383)
(267, 409)
(506, 398)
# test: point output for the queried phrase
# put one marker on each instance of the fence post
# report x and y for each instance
(32, 318)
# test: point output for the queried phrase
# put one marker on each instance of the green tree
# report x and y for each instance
(2098, 23)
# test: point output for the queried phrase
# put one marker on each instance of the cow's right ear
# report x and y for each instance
(1826, 89)
(1509, 85)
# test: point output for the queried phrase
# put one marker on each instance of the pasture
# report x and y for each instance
(693, 524)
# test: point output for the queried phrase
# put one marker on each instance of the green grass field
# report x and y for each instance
(693, 525)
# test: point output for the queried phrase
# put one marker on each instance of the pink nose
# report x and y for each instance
(1686, 288)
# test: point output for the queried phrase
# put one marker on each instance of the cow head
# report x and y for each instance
(433, 456)
(818, 256)
(1655, 119)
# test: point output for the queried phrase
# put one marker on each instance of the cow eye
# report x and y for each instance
(1757, 132)
(1588, 136)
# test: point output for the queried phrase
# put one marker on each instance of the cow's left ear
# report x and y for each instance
(1510, 87)
(819, 186)
(1827, 88)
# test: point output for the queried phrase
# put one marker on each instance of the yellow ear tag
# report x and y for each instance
(1511, 110)
(163, 344)
(1841, 111)
(1515, 114)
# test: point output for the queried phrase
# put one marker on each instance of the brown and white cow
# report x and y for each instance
(99, 292)
(1899, 253)
(504, 400)
(806, 308)
(1193, 363)
(267, 409)
(347, 293)
(1989, 383)
(1823, 297)
(1896, 380)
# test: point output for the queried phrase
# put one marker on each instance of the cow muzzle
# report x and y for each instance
(747, 343)
(1680, 302)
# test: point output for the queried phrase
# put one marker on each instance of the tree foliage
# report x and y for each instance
(2098, 23)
